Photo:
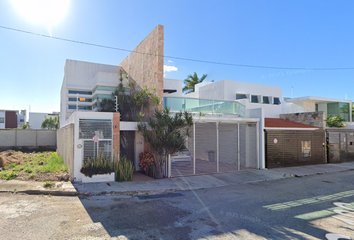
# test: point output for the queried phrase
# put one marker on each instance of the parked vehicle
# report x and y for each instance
(184, 156)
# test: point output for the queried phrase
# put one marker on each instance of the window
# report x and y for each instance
(80, 107)
(265, 100)
(240, 96)
(22, 120)
(254, 99)
(2, 120)
(344, 110)
(80, 92)
(276, 101)
(80, 99)
(306, 149)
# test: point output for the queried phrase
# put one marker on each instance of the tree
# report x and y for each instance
(50, 123)
(131, 99)
(191, 81)
(165, 134)
(335, 121)
(24, 126)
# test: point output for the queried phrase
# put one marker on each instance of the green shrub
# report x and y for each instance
(47, 184)
(8, 175)
(97, 165)
(335, 121)
(123, 170)
(32, 175)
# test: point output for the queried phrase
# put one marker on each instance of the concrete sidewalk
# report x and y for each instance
(172, 184)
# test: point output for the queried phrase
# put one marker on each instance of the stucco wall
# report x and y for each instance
(145, 63)
(317, 119)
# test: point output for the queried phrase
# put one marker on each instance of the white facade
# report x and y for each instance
(35, 119)
(251, 95)
(172, 87)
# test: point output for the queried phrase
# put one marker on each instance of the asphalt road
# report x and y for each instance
(294, 208)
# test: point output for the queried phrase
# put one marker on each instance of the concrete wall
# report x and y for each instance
(27, 138)
(317, 119)
(147, 69)
(65, 139)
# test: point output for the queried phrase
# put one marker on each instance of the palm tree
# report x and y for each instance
(191, 81)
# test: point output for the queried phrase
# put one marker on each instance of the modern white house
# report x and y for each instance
(12, 118)
(330, 106)
(228, 133)
(35, 119)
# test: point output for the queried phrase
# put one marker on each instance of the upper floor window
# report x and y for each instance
(240, 96)
(80, 107)
(80, 99)
(254, 99)
(276, 101)
(265, 99)
(2, 119)
(80, 92)
(22, 120)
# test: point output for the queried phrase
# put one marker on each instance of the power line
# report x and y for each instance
(181, 58)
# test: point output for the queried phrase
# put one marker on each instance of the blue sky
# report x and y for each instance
(270, 33)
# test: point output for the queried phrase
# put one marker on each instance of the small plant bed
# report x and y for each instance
(36, 166)
(97, 165)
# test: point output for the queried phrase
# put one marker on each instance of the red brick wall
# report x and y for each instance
(116, 135)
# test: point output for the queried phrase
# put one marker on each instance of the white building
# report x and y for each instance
(35, 119)
(12, 118)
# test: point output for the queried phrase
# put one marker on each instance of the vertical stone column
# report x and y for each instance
(116, 135)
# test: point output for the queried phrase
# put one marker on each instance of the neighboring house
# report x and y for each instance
(330, 106)
(12, 118)
(36, 119)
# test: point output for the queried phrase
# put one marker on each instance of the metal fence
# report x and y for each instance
(340, 145)
(218, 147)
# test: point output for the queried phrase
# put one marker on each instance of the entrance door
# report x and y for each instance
(127, 145)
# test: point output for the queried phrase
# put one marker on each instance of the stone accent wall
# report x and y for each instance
(116, 135)
(316, 119)
(145, 64)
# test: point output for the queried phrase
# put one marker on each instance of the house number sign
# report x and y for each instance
(95, 139)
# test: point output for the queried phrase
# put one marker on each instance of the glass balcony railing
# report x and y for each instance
(176, 104)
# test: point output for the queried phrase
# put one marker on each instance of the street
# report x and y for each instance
(292, 208)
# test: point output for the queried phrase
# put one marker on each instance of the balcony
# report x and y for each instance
(196, 105)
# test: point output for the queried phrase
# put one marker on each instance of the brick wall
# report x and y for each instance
(145, 64)
(18, 138)
(116, 135)
(317, 119)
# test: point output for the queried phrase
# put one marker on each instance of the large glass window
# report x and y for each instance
(2, 119)
(344, 110)
(80, 107)
(240, 96)
(254, 99)
(80, 92)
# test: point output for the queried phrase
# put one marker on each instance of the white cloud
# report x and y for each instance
(170, 61)
(169, 68)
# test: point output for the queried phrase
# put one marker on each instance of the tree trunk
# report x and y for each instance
(159, 167)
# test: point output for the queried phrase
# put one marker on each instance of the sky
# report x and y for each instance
(274, 33)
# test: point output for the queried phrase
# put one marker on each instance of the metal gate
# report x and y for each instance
(340, 144)
(219, 147)
(101, 128)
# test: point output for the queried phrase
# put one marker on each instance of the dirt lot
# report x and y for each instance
(36, 166)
